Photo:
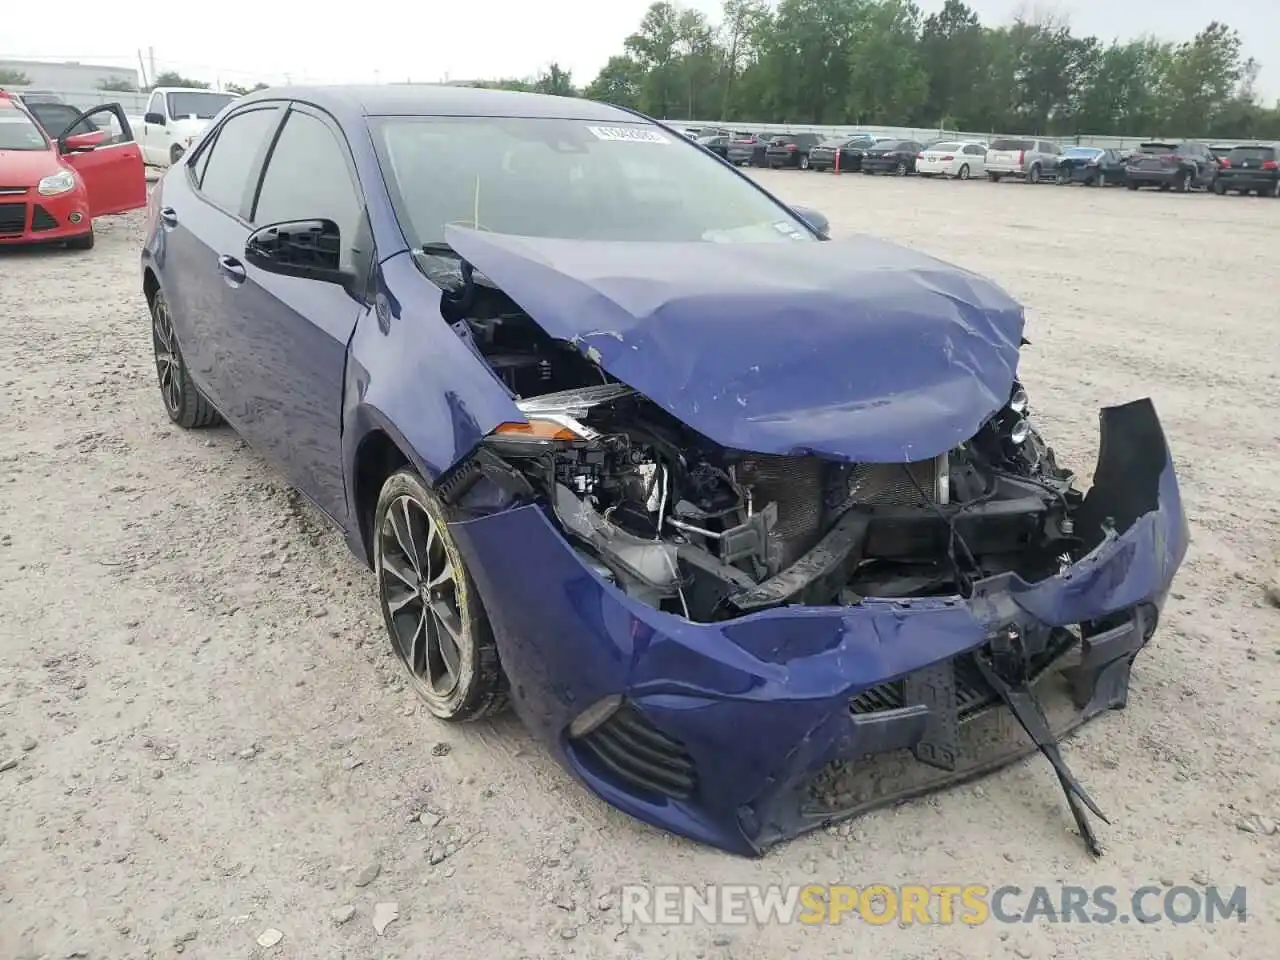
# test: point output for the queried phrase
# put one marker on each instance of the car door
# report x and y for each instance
(204, 212)
(290, 334)
(975, 155)
(111, 166)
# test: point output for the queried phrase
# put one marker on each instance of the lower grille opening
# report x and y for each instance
(13, 219)
(42, 219)
(629, 749)
(973, 693)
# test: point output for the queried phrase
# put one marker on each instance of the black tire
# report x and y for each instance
(1131, 185)
(82, 242)
(901, 169)
(1219, 188)
(1164, 188)
(183, 401)
(963, 172)
(410, 522)
(993, 177)
(1275, 189)
(1033, 175)
(1100, 180)
(804, 161)
(1184, 182)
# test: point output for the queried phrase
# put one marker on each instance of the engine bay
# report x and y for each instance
(706, 532)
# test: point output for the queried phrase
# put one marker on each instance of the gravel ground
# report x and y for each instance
(211, 742)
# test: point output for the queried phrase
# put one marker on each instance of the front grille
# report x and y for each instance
(973, 693)
(42, 219)
(13, 219)
(630, 749)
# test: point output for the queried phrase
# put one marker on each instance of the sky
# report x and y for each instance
(244, 41)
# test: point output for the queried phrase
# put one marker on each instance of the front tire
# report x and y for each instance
(183, 401)
(993, 177)
(434, 618)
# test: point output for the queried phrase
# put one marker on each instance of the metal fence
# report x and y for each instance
(924, 134)
(136, 103)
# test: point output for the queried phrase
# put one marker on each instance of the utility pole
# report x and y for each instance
(151, 56)
(142, 69)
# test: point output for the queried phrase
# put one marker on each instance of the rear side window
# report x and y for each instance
(56, 117)
(974, 150)
(326, 191)
(1012, 145)
(233, 158)
(1241, 154)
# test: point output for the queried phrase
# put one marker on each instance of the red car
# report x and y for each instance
(51, 187)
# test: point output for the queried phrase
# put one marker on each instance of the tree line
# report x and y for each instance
(880, 63)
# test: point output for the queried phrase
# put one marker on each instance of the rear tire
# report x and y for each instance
(901, 169)
(436, 625)
(1184, 182)
(993, 177)
(804, 161)
(1033, 175)
(1219, 187)
(1131, 185)
(183, 401)
(82, 242)
(963, 172)
(1100, 180)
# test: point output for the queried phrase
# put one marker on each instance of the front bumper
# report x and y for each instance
(32, 218)
(745, 732)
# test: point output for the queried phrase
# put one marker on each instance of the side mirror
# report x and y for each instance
(156, 118)
(80, 142)
(307, 249)
(814, 219)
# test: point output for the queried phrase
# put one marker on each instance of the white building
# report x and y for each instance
(66, 75)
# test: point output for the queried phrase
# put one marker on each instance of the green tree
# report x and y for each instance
(887, 84)
(171, 78)
(1202, 79)
(952, 49)
(15, 77)
(620, 82)
(654, 46)
(557, 81)
(240, 90)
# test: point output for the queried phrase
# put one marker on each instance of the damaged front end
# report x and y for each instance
(741, 646)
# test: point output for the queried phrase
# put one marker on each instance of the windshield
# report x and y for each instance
(203, 106)
(18, 131)
(568, 179)
(1089, 152)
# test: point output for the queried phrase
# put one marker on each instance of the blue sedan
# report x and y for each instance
(754, 529)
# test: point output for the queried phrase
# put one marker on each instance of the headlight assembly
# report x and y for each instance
(56, 183)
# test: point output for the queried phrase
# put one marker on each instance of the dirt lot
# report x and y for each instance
(211, 741)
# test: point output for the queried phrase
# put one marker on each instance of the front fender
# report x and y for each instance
(410, 376)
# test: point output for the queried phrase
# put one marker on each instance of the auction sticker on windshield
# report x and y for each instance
(628, 134)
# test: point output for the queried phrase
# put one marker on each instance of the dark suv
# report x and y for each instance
(1250, 168)
(1177, 164)
(791, 150)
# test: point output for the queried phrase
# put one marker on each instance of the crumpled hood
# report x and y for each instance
(857, 350)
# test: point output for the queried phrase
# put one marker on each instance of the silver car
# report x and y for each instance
(1027, 158)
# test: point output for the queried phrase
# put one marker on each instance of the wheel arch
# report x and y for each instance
(150, 283)
(377, 456)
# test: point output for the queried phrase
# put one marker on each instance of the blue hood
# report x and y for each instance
(857, 350)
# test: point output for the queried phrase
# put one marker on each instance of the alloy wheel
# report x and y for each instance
(168, 359)
(419, 586)
(901, 169)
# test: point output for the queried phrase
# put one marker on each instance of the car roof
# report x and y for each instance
(441, 100)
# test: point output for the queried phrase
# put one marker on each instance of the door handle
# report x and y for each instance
(232, 269)
(169, 216)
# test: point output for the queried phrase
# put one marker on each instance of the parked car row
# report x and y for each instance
(1163, 164)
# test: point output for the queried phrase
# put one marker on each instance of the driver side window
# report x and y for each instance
(325, 191)
(157, 104)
